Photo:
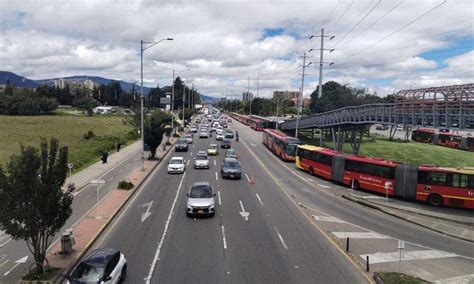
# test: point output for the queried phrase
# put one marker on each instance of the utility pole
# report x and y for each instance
(249, 96)
(172, 105)
(321, 61)
(300, 101)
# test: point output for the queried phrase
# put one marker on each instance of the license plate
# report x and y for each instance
(200, 211)
(231, 176)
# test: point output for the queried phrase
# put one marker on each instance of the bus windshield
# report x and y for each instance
(291, 149)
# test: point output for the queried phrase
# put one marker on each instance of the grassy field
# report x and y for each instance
(406, 152)
(69, 130)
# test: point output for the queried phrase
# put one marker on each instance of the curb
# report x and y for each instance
(62, 276)
(428, 215)
(376, 207)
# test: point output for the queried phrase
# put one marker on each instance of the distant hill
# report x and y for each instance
(23, 82)
(16, 80)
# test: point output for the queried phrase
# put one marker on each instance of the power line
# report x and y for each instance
(330, 14)
(401, 28)
(360, 20)
(342, 15)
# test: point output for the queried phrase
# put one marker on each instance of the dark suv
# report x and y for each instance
(231, 168)
(181, 145)
(226, 143)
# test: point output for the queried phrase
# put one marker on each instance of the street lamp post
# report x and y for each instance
(142, 132)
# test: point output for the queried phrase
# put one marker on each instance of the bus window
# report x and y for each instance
(324, 159)
(460, 180)
(438, 178)
(471, 181)
(291, 149)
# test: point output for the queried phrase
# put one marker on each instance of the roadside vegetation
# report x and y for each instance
(398, 278)
(404, 152)
(71, 130)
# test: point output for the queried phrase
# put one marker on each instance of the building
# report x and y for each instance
(286, 95)
(247, 96)
(74, 84)
(60, 83)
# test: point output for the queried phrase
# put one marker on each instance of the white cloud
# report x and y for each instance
(223, 42)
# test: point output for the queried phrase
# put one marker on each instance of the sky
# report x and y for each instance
(224, 47)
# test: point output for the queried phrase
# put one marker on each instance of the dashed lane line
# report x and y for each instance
(224, 241)
(217, 178)
(280, 237)
(259, 199)
(219, 197)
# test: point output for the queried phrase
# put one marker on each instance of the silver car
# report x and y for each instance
(201, 161)
(200, 200)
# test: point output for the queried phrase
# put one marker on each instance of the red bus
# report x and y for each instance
(239, 117)
(435, 185)
(280, 144)
(259, 123)
(443, 139)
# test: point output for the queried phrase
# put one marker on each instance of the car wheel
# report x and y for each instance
(123, 274)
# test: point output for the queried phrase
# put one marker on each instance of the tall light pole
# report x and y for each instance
(299, 106)
(142, 132)
(184, 96)
(172, 96)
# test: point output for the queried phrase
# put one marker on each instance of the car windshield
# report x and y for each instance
(231, 153)
(201, 157)
(213, 147)
(201, 192)
(182, 141)
(176, 162)
(232, 164)
(86, 273)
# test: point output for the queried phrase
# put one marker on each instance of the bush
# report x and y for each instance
(89, 135)
(35, 275)
(125, 184)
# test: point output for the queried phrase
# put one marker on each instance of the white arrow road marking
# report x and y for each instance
(219, 197)
(281, 238)
(160, 244)
(147, 213)
(17, 262)
(223, 237)
(244, 214)
(259, 199)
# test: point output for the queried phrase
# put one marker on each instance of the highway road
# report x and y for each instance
(277, 244)
(289, 236)
(12, 251)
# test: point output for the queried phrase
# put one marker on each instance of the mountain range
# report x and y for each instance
(24, 82)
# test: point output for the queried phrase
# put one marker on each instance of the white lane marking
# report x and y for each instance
(111, 178)
(223, 237)
(259, 199)
(243, 213)
(310, 179)
(281, 238)
(3, 263)
(382, 257)
(329, 219)
(368, 196)
(219, 197)
(1, 245)
(17, 262)
(192, 152)
(214, 162)
(187, 164)
(160, 244)
(360, 235)
(464, 279)
(322, 185)
(120, 171)
(248, 179)
(217, 178)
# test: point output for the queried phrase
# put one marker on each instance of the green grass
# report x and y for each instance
(405, 152)
(69, 130)
(34, 275)
(399, 278)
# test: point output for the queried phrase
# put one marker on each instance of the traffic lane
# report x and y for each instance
(137, 239)
(310, 255)
(193, 250)
(83, 201)
(254, 252)
(325, 201)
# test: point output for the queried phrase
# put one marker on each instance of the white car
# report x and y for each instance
(219, 136)
(200, 200)
(203, 134)
(176, 165)
(201, 161)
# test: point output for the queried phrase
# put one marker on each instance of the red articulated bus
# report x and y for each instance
(280, 144)
(259, 123)
(239, 117)
(443, 139)
(435, 185)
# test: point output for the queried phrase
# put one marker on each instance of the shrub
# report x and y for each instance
(89, 135)
(125, 184)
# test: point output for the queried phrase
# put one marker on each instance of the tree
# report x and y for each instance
(9, 88)
(87, 104)
(154, 127)
(33, 206)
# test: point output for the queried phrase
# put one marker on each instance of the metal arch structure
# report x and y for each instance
(449, 107)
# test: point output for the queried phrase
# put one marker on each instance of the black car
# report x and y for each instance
(226, 143)
(228, 133)
(231, 168)
(181, 145)
(106, 265)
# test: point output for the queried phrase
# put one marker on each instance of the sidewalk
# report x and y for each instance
(89, 228)
(83, 177)
(451, 224)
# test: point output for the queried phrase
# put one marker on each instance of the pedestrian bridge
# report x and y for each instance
(439, 107)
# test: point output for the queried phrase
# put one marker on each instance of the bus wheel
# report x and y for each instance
(435, 200)
(311, 171)
(354, 184)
